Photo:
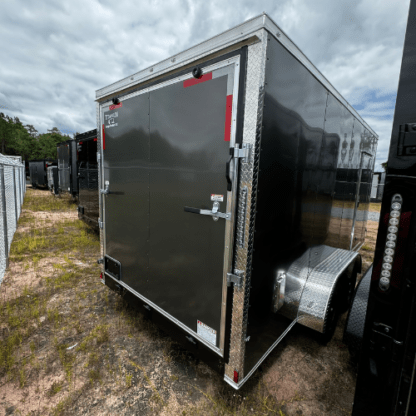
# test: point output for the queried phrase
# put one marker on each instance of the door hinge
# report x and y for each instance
(236, 278)
(100, 224)
(243, 153)
(100, 261)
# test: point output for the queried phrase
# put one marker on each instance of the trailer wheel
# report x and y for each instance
(347, 286)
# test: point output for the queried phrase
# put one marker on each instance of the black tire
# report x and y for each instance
(347, 288)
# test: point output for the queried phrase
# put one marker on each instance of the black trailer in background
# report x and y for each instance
(38, 171)
(67, 167)
(88, 205)
(386, 382)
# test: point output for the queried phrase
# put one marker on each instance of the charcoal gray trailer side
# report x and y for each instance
(67, 167)
(235, 183)
(88, 177)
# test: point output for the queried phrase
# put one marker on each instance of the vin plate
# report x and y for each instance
(207, 333)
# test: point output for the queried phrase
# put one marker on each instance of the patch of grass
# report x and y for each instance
(55, 388)
(34, 202)
(99, 334)
(129, 380)
(374, 206)
(156, 396)
(94, 375)
(66, 358)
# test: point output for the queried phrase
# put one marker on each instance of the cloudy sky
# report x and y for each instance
(56, 54)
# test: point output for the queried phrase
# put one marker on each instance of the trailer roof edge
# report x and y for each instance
(239, 33)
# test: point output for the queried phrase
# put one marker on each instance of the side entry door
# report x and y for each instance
(169, 210)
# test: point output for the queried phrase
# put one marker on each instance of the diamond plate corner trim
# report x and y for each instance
(253, 118)
(98, 110)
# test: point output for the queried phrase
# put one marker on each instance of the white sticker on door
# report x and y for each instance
(111, 120)
(207, 333)
(217, 198)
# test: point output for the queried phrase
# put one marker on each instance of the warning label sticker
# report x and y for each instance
(217, 198)
(207, 333)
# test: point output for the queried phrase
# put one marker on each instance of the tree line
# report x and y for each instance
(25, 141)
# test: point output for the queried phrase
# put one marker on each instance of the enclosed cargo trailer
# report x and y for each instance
(53, 179)
(67, 167)
(235, 182)
(88, 177)
(38, 171)
(386, 384)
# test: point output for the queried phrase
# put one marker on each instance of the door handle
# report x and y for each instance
(214, 215)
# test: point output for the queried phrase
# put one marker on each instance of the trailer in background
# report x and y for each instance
(67, 167)
(235, 183)
(38, 171)
(88, 205)
(53, 179)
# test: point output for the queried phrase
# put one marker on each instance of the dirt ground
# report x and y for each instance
(69, 345)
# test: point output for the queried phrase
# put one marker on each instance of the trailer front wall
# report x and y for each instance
(300, 201)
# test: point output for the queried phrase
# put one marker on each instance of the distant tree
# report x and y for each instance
(31, 130)
(24, 144)
(384, 166)
(6, 132)
(48, 142)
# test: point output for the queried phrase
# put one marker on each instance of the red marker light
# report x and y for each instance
(95, 140)
(101, 275)
(80, 142)
(235, 376)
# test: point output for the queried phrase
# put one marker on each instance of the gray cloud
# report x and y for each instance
(55, 55)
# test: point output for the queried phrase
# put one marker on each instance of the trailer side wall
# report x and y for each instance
(307, 186)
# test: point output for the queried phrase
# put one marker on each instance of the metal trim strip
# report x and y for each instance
(237, 386)
(166, 314)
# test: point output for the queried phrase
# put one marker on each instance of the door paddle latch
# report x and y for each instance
(213, 213)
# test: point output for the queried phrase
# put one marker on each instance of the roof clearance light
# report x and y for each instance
(394, 220)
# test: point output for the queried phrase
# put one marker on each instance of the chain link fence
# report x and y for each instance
(12, 191)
